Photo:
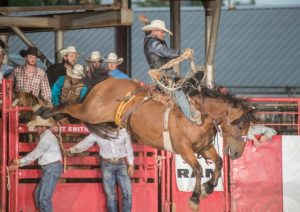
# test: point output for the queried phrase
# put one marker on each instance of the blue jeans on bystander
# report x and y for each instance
(44, 190)
(112, 173)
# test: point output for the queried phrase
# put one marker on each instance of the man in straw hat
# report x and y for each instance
(113, 62)
(69, 57)
(29, 78)
(49, 158)
(4, 68)
(70, 88)
(157, 54)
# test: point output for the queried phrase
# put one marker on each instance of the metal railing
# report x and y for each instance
(280, 113)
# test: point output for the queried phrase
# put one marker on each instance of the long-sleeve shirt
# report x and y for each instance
(54, 71)
(114, 148)
(5, 70)
(37, 83)
(157, 52)
(57, 89)
(46, 151)
(118, 74)
(255, 130)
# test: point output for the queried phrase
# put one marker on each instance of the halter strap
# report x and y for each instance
(216, 122)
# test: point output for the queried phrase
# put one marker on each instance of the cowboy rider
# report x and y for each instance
(157, 54)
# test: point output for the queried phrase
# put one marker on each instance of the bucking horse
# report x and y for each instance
(128, 104)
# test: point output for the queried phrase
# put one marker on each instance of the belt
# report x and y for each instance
(51, 163)
(114, 160)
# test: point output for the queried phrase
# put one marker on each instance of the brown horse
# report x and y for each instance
(25, 99)
(145, 118)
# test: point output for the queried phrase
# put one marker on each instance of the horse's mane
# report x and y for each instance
(98, 75)
(217, 93)
(26, 99)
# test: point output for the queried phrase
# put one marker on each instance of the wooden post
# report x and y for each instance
(175, 26)
(59, 44)
(212, 8)
(123, 43)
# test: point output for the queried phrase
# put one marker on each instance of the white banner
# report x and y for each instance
(291, 173)
(185, 178)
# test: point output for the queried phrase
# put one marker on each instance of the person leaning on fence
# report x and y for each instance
(69, 89)
(29, 78)
(116, 153)
(49, 157)
(113, 62)
(69, 57)
(157, 54)
(260, 134)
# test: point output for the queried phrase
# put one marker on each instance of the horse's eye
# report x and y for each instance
(240, 126)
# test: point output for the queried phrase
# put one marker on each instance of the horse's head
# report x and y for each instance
(234, 116)
(235, 125)
(25, 99)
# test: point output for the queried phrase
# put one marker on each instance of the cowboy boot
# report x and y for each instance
(190, 85)
(195, 116)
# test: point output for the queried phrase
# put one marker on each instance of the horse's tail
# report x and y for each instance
(103, 130)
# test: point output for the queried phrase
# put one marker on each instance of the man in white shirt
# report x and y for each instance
(49, 158)
(116, 153)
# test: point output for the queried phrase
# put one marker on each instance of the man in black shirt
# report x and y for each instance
(69, 57)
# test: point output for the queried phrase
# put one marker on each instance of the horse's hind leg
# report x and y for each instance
(211, 154)
(188, 156)
(74, 110)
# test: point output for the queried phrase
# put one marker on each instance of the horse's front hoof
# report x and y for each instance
(46, 114)
(194, 204)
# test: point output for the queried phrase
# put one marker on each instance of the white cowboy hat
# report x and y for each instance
(156, 25)
(76, 72)
(113, 58)
(39, 121)
(95, 56)
(70, 49)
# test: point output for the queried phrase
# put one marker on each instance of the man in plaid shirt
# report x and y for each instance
(29, 78)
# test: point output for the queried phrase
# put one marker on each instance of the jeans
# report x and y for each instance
(112, 173)
(44, 190)
(183, 103)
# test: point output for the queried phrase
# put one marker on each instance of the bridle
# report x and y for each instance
(219, 120)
